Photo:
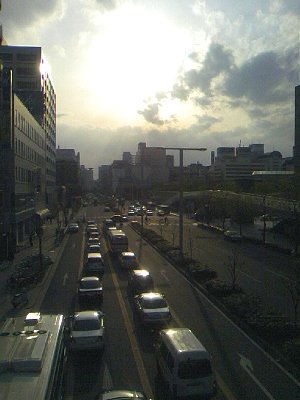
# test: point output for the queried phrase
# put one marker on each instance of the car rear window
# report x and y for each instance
(193, 369)
(86, 325)
(89, 284)
(95, 260)
(154, 303)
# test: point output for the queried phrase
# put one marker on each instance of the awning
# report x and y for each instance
(43, 213)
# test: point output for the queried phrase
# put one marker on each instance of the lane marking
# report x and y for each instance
(133, 341)
(279, 275)
(249, 276)
(66, 276)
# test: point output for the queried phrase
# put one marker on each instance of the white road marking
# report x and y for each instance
(163, 273)
(251, 277)
(247, 366)
(65, 279)
(278, 274)
(107, 382)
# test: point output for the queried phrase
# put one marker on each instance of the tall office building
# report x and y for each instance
(32, 83)
(297, 131)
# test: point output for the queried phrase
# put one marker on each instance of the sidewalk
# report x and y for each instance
(49, 248)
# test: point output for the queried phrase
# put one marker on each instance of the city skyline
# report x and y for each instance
(198, 73)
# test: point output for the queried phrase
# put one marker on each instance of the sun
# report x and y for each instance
(136, 55)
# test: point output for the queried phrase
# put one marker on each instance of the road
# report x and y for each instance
(263, 272)
(243, 370)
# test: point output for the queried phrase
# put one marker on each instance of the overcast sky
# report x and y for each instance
(202, 73)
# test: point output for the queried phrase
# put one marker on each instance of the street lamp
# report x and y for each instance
(181, 149)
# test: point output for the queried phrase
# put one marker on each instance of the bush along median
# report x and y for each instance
(270, 326)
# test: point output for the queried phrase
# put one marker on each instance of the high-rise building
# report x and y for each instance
(32, 83)
(297, 131)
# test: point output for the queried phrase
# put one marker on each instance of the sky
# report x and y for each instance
(171, 73)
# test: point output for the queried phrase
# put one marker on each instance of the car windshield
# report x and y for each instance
(154, 303)
(89, 284)
(86, 325)
(193, 369)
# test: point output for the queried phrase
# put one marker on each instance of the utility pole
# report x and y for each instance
(181, 150)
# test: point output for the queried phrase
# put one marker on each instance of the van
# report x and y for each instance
(184, 365)
(94, 264)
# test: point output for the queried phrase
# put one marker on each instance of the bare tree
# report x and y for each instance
(234, 267)
(293, 286)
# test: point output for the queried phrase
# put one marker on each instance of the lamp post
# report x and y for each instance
(181, 150)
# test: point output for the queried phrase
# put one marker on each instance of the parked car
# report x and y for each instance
(121, 395)
(131, 213)
(90, 288)
(86, 331)
(128, 260)
(140, 281)
(91, 222)
(117, 218)
(73, 227)
(233, 236)
(95, 234)
(152, 308)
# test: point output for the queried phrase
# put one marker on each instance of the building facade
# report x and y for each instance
(23, 169)
(33, 85)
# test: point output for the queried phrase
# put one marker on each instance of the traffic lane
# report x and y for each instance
(256, 273)
(228, 344)
(61, 294)
(118, 355)
(181, 299)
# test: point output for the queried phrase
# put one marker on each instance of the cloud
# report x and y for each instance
(151, 114)
(260, 79)
(106, 4)
(217, 61)
(29, 12)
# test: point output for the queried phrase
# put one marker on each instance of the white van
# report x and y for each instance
(184, 365)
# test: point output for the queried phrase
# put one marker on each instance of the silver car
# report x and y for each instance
(86, 331)
(152, 309)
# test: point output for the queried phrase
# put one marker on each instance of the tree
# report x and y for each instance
(234, 267)
(293, 286)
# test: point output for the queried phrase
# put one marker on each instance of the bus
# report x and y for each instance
(117, 241)
(32, 357)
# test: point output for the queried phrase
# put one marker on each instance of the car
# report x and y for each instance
(91, 222)
(94, 235)
(152, 308)
(92, 229)
(94, 265)
(86, 331)
(233, 236)
(161, 213)
(128, 260)
(106, 209)
(149, 213)
(90, 288)
(94, 248)
(117, 218)
(124, 218)
(73, 227)
(140, 281)
(131, 213)
(93, 240)
(121, 395)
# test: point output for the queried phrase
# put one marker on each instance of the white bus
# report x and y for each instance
(117, 241)
(32, 357)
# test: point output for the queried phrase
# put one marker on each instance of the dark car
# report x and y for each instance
(90, 288)
(117, 219)
(140, 281)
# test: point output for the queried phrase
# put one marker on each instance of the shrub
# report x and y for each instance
(202, 274)
(292, 350)
(221, 289)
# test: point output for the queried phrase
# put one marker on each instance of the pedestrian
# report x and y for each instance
(166, 219)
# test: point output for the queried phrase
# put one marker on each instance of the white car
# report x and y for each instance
(128, 260)
(86, 331)
(152, 309)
